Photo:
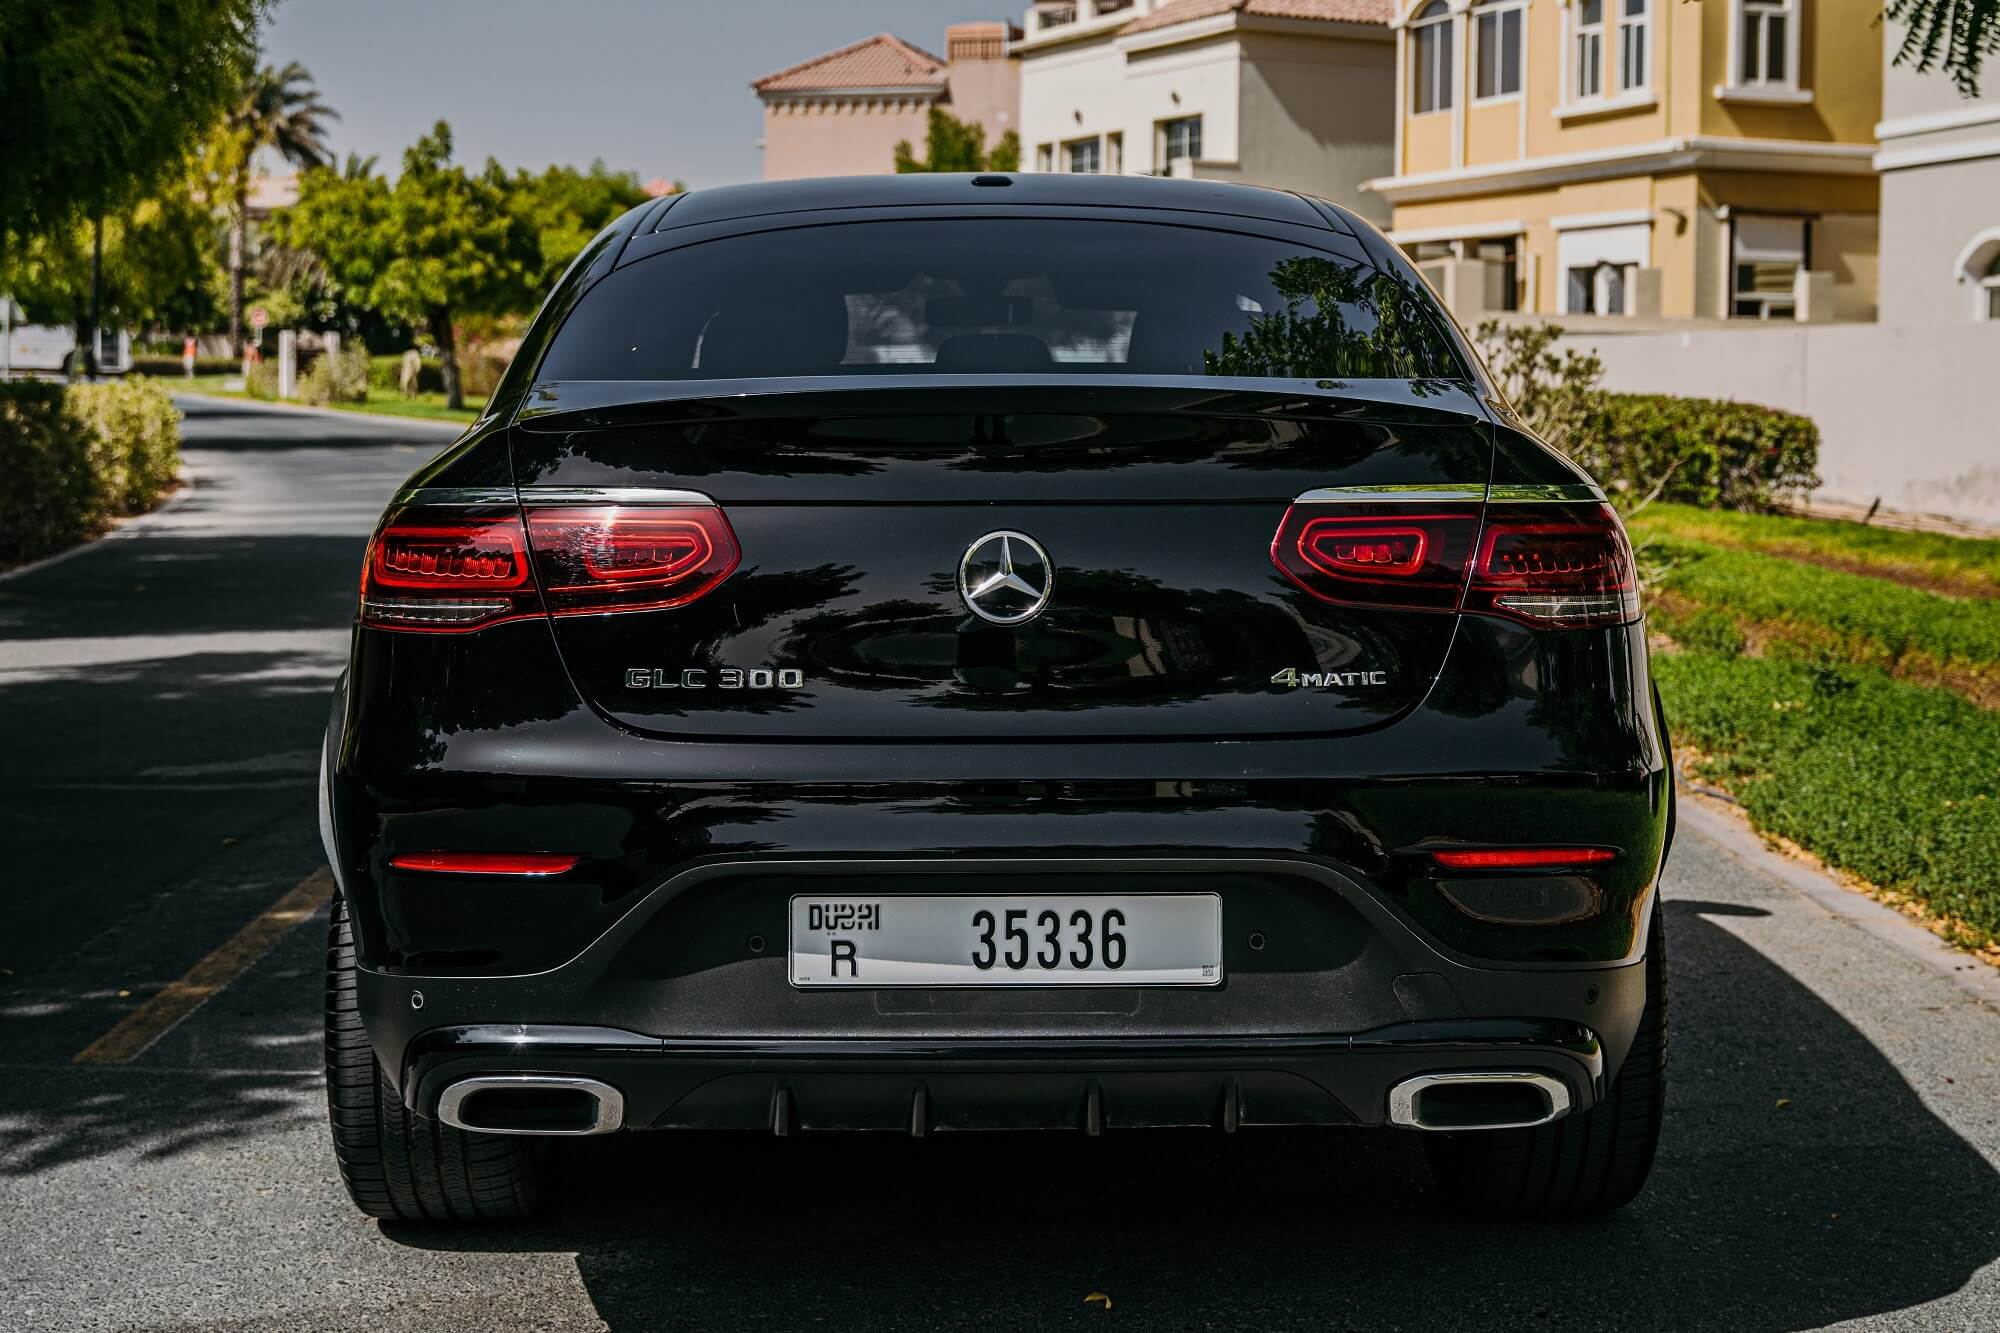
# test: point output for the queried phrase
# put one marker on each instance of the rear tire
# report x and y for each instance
(397, 1165)
(1584, 1164)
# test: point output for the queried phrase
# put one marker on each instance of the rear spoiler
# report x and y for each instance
(569, 405)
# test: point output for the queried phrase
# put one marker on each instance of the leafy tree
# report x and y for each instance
(1956, 35)
(158, 258)
(567, 207)
(1392, 338)
(275, 109)
(101, 99)
(951, 144)
(440, 243)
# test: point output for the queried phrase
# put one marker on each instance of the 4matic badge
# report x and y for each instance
(1294, 679)
(722, 678)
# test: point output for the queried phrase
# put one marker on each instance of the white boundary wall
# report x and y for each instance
(1909, 414)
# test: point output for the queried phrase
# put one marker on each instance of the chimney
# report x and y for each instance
(982, 40)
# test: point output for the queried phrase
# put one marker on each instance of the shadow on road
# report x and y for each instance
(1853, 1200)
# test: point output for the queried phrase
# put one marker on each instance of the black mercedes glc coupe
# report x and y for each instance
(1014, 651)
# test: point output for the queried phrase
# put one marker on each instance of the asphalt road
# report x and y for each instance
(1830, 1155)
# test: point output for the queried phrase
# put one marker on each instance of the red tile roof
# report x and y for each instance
(1336, 11)
(881, 61)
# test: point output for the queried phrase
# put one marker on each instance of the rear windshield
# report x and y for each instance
(1020, 296)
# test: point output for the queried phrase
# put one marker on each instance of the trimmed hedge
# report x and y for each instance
(1712, 453)
(336, 379)
(170, 366)
(76, 456)
(385, 373)
(478, 373)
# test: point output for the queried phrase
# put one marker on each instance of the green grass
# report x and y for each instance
(1827, 615)
(1843, 682)
(1896, 783)
(1957, 565)
(429, 406)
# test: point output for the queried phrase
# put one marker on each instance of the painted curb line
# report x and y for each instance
(1978, 978)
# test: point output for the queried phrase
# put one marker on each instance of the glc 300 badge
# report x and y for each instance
(722, 678)
(1294, 679)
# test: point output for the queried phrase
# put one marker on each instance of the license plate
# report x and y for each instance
(1134, 939)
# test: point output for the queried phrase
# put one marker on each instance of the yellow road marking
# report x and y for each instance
(152, 1020)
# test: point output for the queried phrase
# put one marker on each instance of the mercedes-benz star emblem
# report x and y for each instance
(1006, 577)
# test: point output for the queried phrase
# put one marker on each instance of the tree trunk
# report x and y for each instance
(454, 397)
(239, 226)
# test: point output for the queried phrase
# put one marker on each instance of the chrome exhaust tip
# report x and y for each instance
(549, 1105)
(1478, 1099)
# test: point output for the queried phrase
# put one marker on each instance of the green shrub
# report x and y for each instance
(171, 365)
(135, 435)
(479, 374)
(53, 498)
(1698, 451)
(385, 374)
(262, 381)
(74, 456)
(336, 379)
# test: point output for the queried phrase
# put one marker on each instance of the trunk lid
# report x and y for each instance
(856, 508)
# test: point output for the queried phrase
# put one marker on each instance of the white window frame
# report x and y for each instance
(1582, 37)
(1612, 247)
(1068, 157)
(1786, 91)
(1431, 24)
(1163, 148)
(1785, 303)
(1978, 265)
(1630, 26)
(1493, 16)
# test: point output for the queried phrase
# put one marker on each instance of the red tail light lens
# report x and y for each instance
(1556, 565)
(1371, 558)
(456, 573)
(1523, 858)
(1566, 566)
(447, 572)
(485, 863)
(630, 558)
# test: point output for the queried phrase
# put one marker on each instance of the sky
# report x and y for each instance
(660, 88)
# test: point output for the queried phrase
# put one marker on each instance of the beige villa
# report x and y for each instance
(842, 113)
(1296, 94)
(1641, 157)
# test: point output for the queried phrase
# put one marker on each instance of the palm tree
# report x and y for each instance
(279, 109)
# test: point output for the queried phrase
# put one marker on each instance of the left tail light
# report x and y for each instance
(451, 572)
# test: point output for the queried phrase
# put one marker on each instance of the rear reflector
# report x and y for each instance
(452, 573)
(1523, 858)
(485, 863)
(1559, 566)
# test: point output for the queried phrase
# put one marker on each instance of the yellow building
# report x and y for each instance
(1641, 157)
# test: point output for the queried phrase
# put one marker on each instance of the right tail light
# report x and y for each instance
(449, 571)
(1552, 565)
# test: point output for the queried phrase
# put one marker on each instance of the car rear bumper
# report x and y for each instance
(920, 1086)
(1329, 999)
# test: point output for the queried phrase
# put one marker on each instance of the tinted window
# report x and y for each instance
(1021, 296)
